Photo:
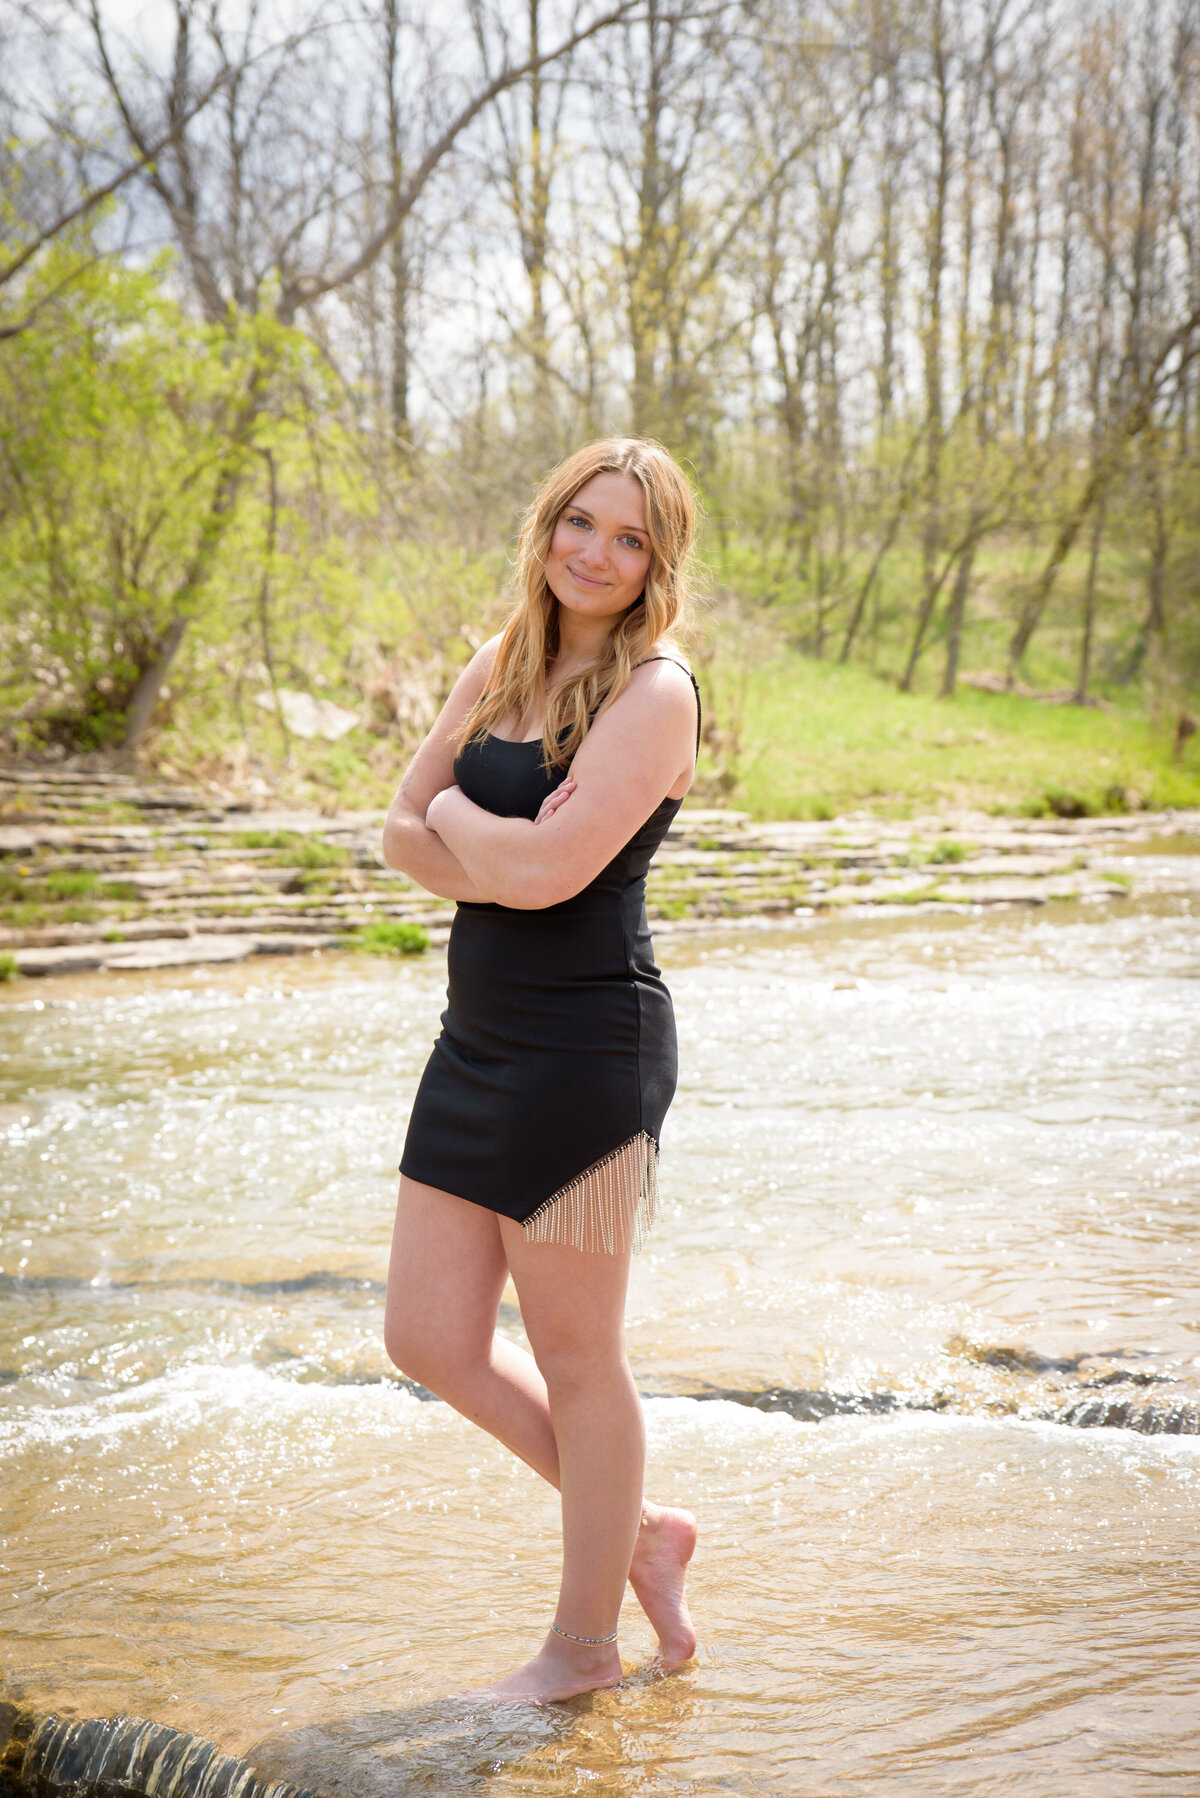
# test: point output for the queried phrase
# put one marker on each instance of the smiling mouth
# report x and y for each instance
(585, 580)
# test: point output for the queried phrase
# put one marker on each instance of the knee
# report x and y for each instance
(572, 1362)
(429, 1353)
(409, 1348)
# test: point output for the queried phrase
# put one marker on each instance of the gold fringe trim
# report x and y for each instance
(607, 1209)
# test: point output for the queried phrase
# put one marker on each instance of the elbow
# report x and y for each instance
(535, 889)
(397, 837)
(391, 844)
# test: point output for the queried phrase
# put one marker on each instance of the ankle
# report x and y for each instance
(580, 1641)
(582, 1657)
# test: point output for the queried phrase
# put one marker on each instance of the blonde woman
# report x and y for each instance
(537, 802)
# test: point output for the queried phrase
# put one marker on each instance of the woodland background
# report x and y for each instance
(297, 302)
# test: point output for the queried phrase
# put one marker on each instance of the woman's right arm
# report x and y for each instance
(408, 843)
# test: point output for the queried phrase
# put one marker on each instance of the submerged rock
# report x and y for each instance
(119, 1757)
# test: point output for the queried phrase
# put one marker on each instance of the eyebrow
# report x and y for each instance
(636, 530)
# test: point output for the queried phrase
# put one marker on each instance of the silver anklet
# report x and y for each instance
(588, 1641)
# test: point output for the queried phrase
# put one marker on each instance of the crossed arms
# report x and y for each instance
(638, 750)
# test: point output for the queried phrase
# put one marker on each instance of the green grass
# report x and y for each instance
(8, 966)
(391, 936)
(294, 849)
(59, 897)
(820, 739)
(60, 885)
(313, 883)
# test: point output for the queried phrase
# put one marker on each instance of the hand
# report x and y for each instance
(437, 806)
(551, 803)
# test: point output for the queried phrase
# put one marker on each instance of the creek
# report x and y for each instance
(929, 1211)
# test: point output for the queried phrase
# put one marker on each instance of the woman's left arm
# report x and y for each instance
(639, 748)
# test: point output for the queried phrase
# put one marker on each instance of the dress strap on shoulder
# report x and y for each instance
(691, 677)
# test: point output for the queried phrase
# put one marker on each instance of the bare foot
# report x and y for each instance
(665, 1545)
(561, 1670)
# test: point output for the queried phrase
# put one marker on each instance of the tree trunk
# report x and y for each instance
(536, 238)
(1102, 471)
(1089, 607)
(957, 610)
(889, 537)
(141, 706)
(1154, 623)
(145, 695)
(649, 255)
(398, 248)
(932, 347)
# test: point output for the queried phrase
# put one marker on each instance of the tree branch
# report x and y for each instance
(307, 288)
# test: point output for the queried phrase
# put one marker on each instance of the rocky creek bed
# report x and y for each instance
(104, 870)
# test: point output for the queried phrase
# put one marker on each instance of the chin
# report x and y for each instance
(591, 605)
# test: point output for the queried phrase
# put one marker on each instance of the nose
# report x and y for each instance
(593, 553)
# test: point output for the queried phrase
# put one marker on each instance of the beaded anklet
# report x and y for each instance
(588, 1641)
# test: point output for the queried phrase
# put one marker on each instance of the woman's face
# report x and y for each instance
(600, 552)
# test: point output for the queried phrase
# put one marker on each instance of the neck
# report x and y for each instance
(580, 640)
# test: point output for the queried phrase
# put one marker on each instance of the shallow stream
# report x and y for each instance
(931, 1208)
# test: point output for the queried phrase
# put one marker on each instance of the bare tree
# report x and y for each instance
(261, 207)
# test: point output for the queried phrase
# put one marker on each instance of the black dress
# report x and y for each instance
(545, 1094)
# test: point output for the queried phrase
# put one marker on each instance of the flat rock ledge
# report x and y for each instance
(101, 871)
(165, 952)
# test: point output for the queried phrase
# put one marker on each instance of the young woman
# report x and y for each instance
(537, 802)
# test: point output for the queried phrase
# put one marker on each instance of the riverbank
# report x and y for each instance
(103, 870)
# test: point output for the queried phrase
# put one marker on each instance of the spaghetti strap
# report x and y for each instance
(691, 677)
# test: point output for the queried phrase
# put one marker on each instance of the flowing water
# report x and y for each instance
(930, 1189)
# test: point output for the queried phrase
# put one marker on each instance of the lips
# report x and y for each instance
(585, 580)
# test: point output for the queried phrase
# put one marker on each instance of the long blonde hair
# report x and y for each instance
(529, 642)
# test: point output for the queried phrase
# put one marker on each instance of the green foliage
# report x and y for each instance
(949, 851)
(157, 474)
(391, 936)
(8, 966)
(1060, 802)
(132, 437)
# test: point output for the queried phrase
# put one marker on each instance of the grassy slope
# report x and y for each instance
(821, 739)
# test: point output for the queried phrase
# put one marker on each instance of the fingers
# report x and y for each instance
(551, 803)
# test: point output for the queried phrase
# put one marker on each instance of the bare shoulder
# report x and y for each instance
(660, 660)
(654, 715)
(662, 682)
(480, 666)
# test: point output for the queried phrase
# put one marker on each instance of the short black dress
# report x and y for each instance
(545, 1094)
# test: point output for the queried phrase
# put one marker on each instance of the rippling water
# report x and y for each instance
(933, 1181)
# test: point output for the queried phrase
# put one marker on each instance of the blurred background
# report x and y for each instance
(298, 300)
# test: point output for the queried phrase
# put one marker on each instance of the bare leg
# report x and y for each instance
(448, 1270)
(573, 1306)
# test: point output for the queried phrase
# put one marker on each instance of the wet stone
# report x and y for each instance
(121, 1757)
